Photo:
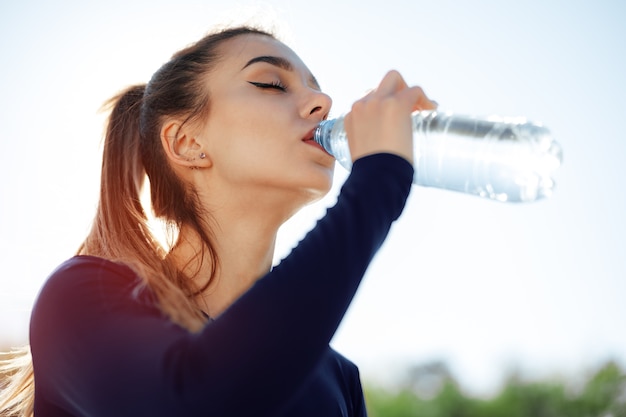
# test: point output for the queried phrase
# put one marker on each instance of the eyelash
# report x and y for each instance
(277, 85)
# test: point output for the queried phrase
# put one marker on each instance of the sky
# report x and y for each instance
(486, 287)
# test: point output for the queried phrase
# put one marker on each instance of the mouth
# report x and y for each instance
(308, 139)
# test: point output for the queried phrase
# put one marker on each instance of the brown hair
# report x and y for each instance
(121, 231)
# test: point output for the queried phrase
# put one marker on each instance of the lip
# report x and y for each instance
(308, 139)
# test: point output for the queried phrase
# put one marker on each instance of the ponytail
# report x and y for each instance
(119, 215)
(17, 384)
(120, 231)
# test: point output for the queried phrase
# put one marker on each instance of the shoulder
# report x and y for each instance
(82, 273)
(90, 267)
(86, 283)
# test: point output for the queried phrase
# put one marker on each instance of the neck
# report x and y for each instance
(244, 237)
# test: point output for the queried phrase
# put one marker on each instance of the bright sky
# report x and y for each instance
(482, 285)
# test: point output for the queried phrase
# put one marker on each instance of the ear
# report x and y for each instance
(181, 146)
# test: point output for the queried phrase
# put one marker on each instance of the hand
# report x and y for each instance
(381, 121)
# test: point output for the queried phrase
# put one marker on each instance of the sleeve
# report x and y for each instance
(108, 356)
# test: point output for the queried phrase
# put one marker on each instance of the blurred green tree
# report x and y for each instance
(431, 391)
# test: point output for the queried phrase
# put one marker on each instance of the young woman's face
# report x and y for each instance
(264, 106)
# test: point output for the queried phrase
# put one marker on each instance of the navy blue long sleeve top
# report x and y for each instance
(102, 348)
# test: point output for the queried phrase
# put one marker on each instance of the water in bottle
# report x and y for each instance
(504, 159)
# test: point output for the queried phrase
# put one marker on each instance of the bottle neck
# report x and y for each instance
(322, 134)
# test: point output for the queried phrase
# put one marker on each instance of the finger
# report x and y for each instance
(415, 99)
(391, 83)
(411, 98)
(422, 102)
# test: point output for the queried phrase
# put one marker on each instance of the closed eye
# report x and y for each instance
(276, 85)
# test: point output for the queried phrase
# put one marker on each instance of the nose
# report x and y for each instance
(318, 105)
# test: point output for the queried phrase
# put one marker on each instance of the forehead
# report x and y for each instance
(240, 50)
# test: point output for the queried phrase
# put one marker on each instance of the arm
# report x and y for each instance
(109, 355)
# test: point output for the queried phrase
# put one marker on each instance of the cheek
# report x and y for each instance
(242, 155)
(254, 137)
(248, 138)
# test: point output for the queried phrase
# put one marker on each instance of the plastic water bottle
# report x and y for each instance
(504, 159)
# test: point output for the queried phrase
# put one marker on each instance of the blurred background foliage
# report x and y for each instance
(431, 391)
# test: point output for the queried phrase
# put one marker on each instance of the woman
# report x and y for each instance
(206, 327)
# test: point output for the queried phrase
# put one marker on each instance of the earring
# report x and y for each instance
(202, 155)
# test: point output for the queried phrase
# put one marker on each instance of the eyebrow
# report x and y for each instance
(281, 63)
